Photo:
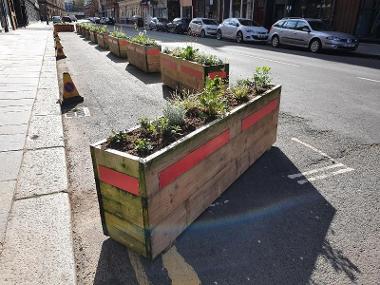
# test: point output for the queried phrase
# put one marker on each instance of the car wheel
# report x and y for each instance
(203, 34)
(239, 37)
(189, 32)
(315, 45)
(275, 41)
(219, 35)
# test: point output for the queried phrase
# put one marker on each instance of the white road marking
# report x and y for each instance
(270, 60)
(372, 80)
(319, 177)
(313, 148)
(306, 174)
(141, 276)
(301, 174)
(180, 272)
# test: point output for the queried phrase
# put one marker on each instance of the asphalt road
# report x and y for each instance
(267, 228)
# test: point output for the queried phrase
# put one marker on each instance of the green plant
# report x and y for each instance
(175, 114)
(143, 146)
(142, 39)
(118, 34)
(102, 29)
(208, 59)
(241, 92)
(148, 127)
(262, 77)
(212, 98)
(117, 138)
(193, 54)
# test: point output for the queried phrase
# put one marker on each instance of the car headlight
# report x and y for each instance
(332, 38)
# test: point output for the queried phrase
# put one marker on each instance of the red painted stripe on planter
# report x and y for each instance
(119, 180)
(220, 73)
(252, 119)
(172, 172)
(169, 64)
(191, 71)
(153, 52)
(123, 43)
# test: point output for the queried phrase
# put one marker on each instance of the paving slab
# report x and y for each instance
(12, 142)
(47, 102)
(45, 131)
(16, 102)
(13, 129)
(43, 171)
(38, 247)
(12, 118)
(24, 94)
(7, 189)
(10, 164)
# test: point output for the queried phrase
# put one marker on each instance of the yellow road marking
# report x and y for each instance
(141, 277)
(180, 272)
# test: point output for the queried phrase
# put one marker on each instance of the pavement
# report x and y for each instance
(35, 217)
(306, 213)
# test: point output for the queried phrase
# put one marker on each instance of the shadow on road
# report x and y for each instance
(147, 78)
(266, 229)
(116, 59)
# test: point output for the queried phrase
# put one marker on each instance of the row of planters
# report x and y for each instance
(180, 68)
(155, 179)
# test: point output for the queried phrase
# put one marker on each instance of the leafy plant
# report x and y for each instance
(102, 29)
(262, 77)
(175, 114)
(142, 39)
(241, 92)
(148, 127)
(211, 98)
(193, 54)
(143, 146)
(117, 138)
(118, 34)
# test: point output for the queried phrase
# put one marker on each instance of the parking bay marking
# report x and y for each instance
(306, 174)
(368, 79)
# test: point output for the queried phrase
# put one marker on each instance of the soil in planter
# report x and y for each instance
(153, 136)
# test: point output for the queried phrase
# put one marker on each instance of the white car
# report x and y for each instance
(241, 30)
(203, 27)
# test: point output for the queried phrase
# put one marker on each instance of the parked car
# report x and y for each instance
(179, 25)
(107, 21)
(66, 19)
(203, 27)
(56, 19)
(73, 18)
(95, 20)
(313, 34)
(137, 20)
(241, 30)
(158, 24)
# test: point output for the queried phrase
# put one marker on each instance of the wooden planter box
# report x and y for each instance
(87, 34)
(145, 203)
(78, 29)
(102, 40)
(63, 28)
(118, 46)
(146, 58)
(181, 74)
(93, 37)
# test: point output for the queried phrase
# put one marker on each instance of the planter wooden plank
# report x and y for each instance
(113, 44)
(102, 40)
(177, 183)
(145, 58)
(124, 205)
(181, 74)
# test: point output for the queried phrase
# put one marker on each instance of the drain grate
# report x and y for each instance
(78, 112)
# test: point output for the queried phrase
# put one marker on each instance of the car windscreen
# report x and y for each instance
(247, 22)
(209, 22)
(319, 26)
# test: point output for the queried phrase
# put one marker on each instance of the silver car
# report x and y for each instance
(203, 27)
(241, 30)
(313, 34)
